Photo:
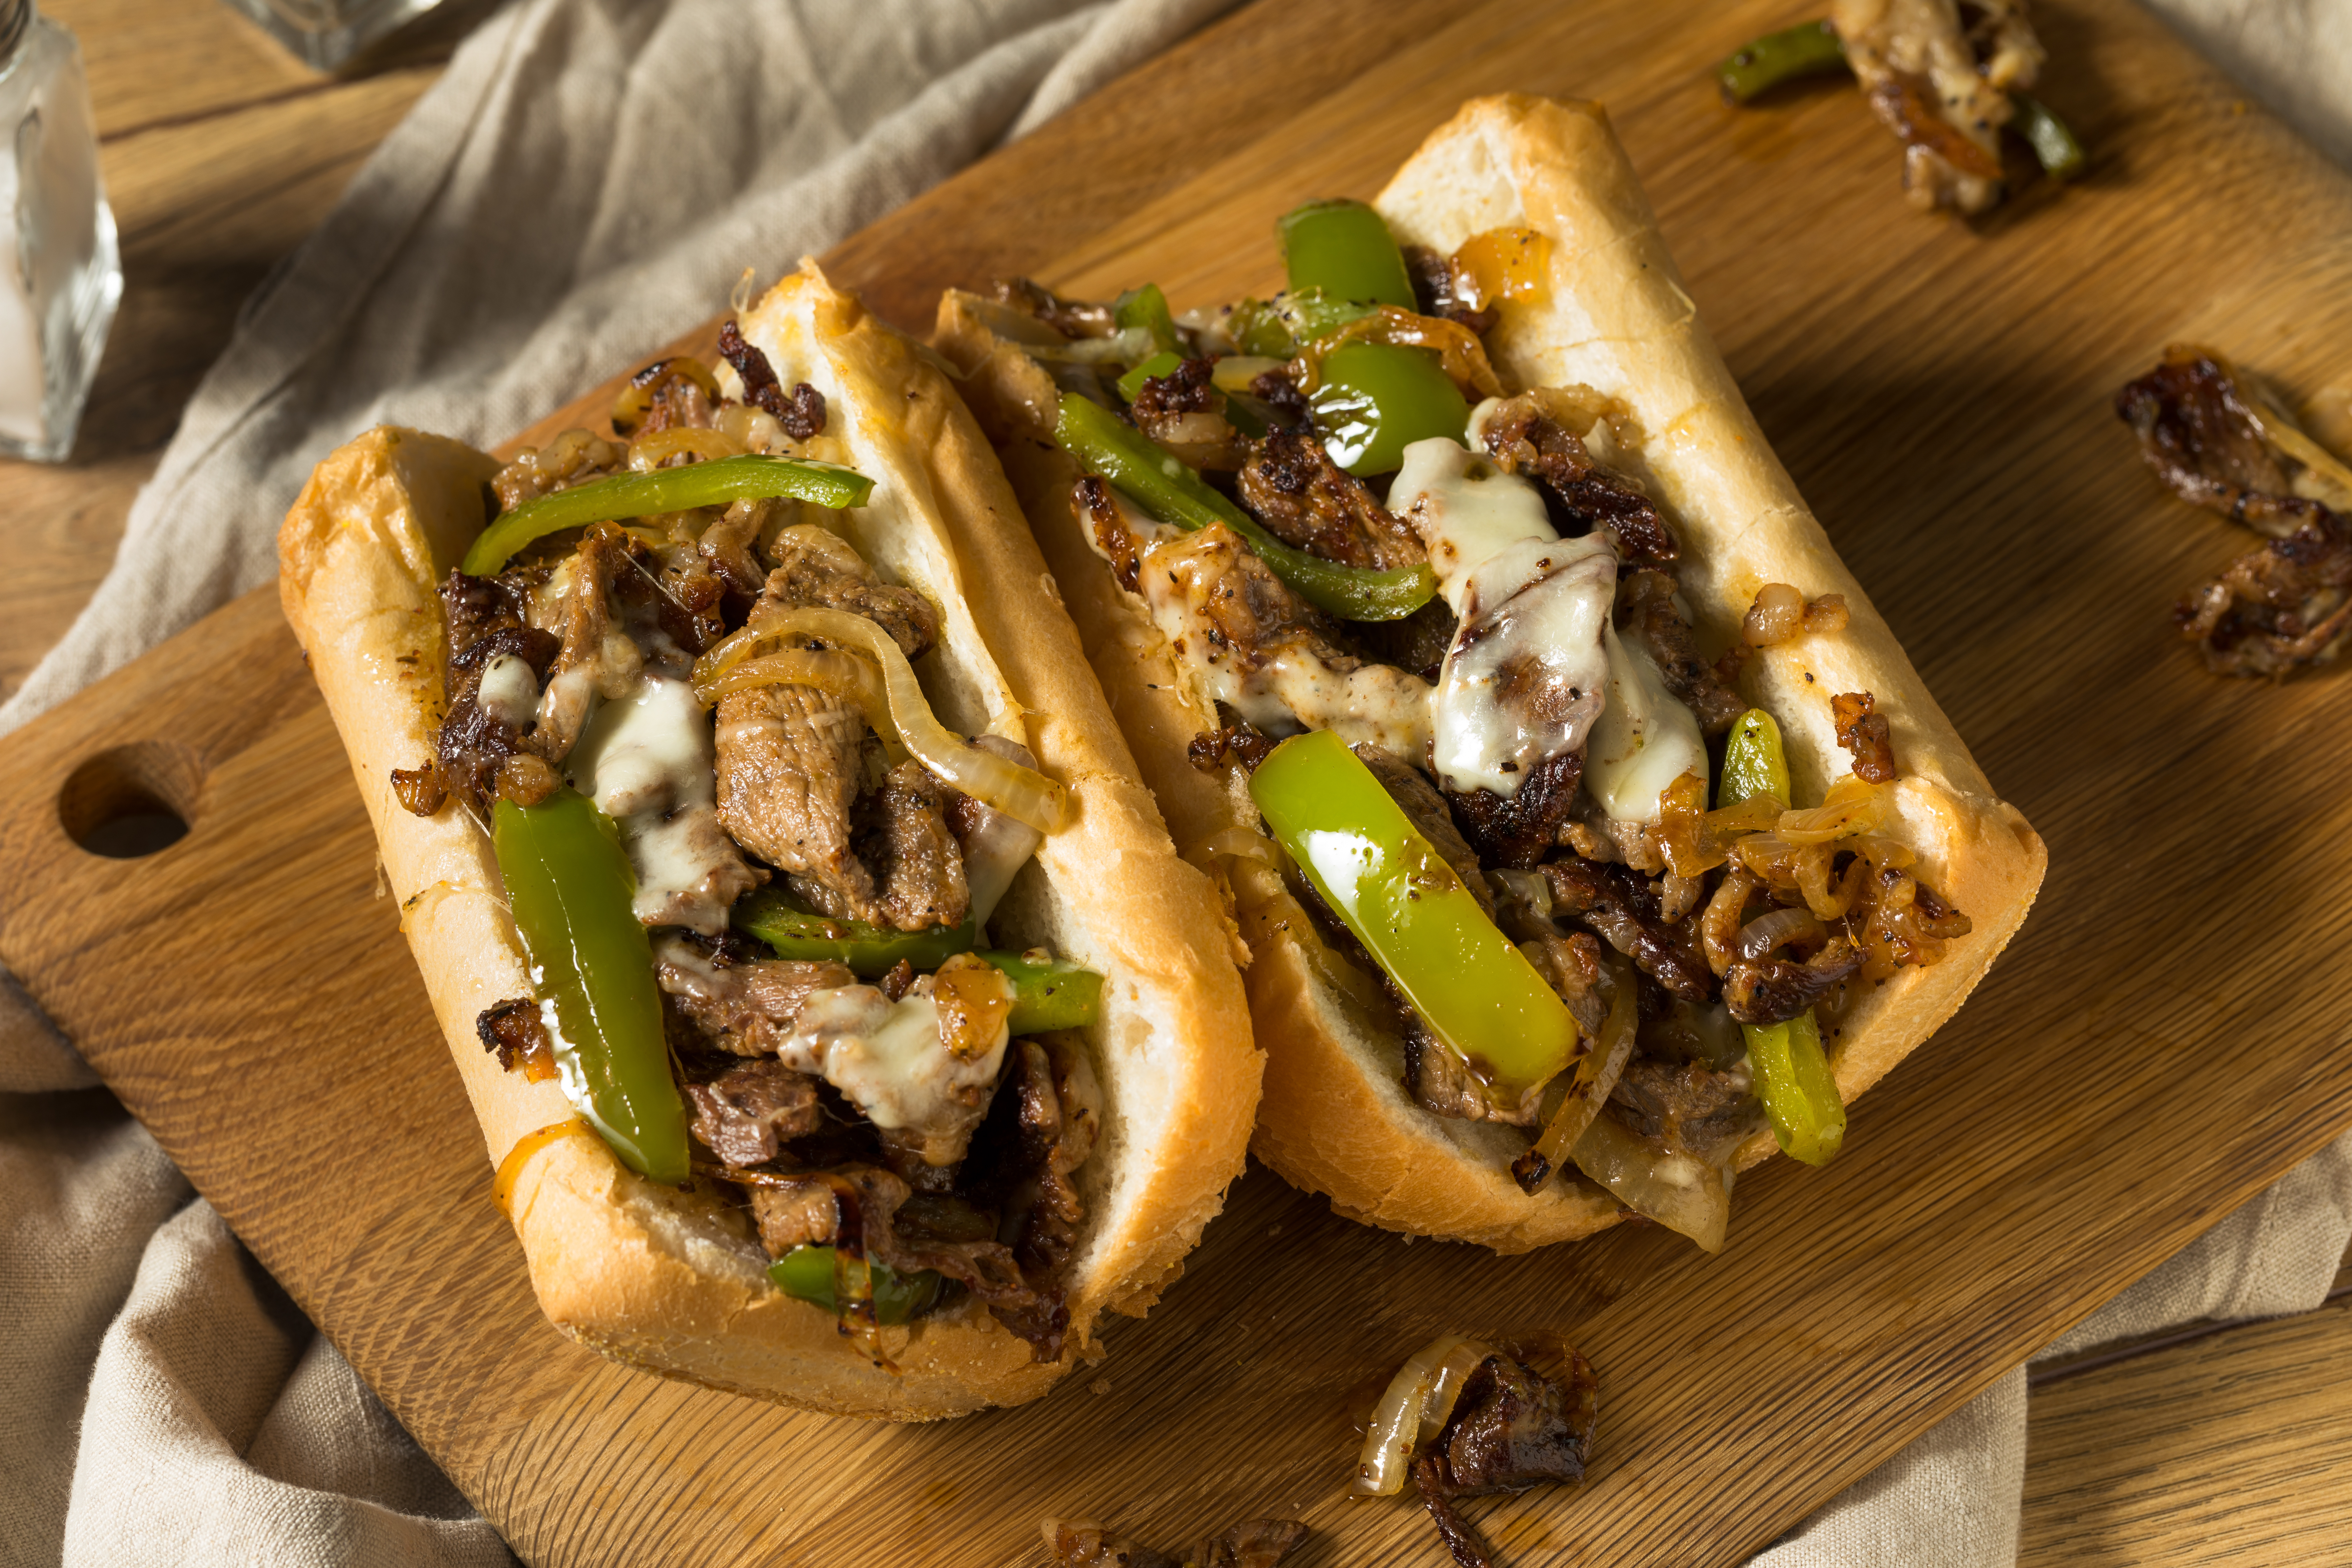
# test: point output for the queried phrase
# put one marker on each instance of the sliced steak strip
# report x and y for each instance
(747, 1008)
(748, 1113)
(915, 858)
(792, 758)
(1526, 435)
(1622, 907)
(1291, 485)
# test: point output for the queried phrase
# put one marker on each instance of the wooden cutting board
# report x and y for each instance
(2164, 1038)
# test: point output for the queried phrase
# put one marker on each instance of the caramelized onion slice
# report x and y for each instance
(705, 444)
(1678, 1192)
(1415, 1408)
(1596, 1077)
(1023, 793)
(1853, 806)
(842, 675)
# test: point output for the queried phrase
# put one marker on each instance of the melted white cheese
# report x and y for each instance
(1181, 575)
(509, 691)
(648, 763)
(888, 1059)
(1527, 674)
(1644, 741)
(1465, 510)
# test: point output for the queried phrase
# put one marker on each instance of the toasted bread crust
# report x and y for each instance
(1335, 1118)
(672, 1281)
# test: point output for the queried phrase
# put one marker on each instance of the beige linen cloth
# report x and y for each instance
(584, 185)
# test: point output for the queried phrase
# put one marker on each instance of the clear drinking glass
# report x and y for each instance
(326, 34)
(60, 278)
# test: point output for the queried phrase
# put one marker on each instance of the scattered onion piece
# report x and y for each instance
(1023, 793)
(1414, 1411)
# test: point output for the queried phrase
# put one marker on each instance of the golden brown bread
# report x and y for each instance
(672, 1281)
(1335, 1118)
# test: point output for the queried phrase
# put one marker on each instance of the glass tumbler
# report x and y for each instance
(60, 276)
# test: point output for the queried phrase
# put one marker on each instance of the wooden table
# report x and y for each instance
(221, 152)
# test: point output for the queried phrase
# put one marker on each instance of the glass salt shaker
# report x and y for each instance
(60, 276)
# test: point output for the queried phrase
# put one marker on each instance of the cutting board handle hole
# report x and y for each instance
(131, 801)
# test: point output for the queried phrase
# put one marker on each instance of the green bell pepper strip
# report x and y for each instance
(1476, 990)
(749, 476)
(1344, 249)
(870, 951)
(1753, 763)
(1274, 328)
(1376, 399)
(1147, 308)
(1131, 383)
(806, 1272)
(1109, 448)
(2054, 147)
(1056, 994)
(568, 885)
(1807, 50)
(1793, 1081)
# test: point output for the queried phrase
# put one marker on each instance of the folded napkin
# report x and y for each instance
(164, 1401)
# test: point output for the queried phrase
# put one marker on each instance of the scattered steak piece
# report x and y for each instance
(1433, 291)
(746, 1007)
(2284, 607)
(1291, 485)
(917, 865)
(1648, 617)
(512, 1029)
(1239, 744)
(1425, 809)
(1775, 990)
(1622, 907)
(1938, 76)
(1513, 832)
(1512, 1428)
(1525, 436)
(1865, 733)
(1685, 1106)
(2198, 431)
(748, 1113)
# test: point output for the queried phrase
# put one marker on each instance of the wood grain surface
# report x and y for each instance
(1939, 391)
